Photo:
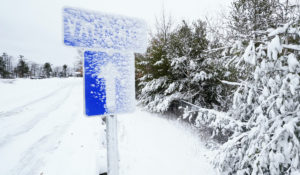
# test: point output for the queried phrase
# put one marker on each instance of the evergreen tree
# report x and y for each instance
(186, 50)
(175, 68)
(22, 69)
(155, 70)
(47, 69)
(249, 17)
(65, 70)
(154, 67)
(140, 71)
(6, 69)
(268, 103)
(3, 72)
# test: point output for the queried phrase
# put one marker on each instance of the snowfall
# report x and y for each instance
(44, 132)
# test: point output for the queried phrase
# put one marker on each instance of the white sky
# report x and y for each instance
(33, 28)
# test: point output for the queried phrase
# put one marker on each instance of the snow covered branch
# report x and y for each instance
(291, 46)
(231, 83)
(280, 30)
(221, 124)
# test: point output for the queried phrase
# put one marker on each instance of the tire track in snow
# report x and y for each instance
(19, 109)
(44, 138)
(36, 119)
(30, 163)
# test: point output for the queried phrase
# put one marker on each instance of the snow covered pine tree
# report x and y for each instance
(268, 102)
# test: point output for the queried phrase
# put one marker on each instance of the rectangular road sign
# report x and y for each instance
(109, 83)
(99, 30)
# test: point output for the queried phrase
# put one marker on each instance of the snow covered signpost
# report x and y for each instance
(109, 42)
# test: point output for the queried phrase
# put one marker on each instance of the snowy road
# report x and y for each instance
(44, 131)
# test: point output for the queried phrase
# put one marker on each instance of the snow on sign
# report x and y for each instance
(109, 42)
(109, 82)
(99, 30)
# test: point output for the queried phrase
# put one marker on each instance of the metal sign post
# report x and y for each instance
(109, 42)
(112, 145)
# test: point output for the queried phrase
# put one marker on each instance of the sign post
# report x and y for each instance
(112, 145)
(109, 42)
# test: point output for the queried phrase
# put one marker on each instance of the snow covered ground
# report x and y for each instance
(44, 131)
(152, 145)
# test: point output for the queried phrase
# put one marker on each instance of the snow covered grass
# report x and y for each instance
(151, 144)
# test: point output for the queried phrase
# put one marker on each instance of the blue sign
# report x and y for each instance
(109, 83)
(110, 41)
(98, 30)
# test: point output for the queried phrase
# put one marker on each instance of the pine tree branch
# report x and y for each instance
(291, 46)
(231, 83)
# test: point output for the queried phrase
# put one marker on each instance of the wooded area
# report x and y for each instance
(243, 74)
(9, 68)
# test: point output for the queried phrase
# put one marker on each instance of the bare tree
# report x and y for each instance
(33, 67)
(78, 67)
(164, 25)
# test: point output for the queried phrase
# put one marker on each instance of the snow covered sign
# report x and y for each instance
(109, 82)
(99, 30)
(109, 42)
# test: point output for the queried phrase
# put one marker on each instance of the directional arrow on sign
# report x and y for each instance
(110, 73)
(109, 83)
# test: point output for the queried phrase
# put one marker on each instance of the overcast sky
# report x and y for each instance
(33, 28)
